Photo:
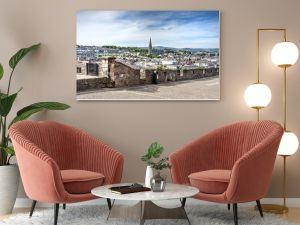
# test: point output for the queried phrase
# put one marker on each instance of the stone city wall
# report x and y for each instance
(124, 75)
(81, 67)
(93, 83)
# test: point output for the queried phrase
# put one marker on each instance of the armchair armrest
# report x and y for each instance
(251, 174)
(40, 174)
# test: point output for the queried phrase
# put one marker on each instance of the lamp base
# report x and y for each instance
(276, 209)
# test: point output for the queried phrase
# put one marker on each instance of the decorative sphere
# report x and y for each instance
(258, 95)
(284, 54)
(289, 144)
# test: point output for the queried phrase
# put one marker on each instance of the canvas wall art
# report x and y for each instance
(148, 55)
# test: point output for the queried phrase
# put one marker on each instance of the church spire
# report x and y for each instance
(150, 47)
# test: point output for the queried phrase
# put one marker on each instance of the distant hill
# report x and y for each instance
(163, 47)
(188, 49)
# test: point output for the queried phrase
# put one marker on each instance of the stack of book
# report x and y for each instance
(129, 189)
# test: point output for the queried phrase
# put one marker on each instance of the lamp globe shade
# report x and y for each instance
(257, 95)
(289, 144)
(284, 54)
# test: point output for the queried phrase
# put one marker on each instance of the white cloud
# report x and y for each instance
(105, 28)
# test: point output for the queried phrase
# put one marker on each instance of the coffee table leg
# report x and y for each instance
(183, 202)
(142, 221)
(147, 210)
(186, 216)
(153, 211)
(110, 209)
(129, 212)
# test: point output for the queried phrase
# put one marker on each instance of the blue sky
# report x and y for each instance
(179, 29)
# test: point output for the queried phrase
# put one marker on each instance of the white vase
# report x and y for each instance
(9, 183)
(148, 176)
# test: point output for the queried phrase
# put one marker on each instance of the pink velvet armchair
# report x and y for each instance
(60, 164)
(231, 165)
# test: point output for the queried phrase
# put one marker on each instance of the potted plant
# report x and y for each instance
(157, 182)
(9, 173)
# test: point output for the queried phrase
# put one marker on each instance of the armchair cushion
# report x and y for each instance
(211, 181)
(81, 181)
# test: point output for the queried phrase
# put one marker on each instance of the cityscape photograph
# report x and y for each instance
(148, 55)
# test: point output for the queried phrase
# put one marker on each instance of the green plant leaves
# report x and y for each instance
(163, 163)
(145, 158)
(27, 111)
(16, 58)
(2, 95)
(9, 150)
(44, 105)
(154, 151)
(6, 103)
(1, 71)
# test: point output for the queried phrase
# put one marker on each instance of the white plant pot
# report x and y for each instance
(9, 183)
(148, 176)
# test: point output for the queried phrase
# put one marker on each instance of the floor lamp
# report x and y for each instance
(258, 95)
(284, 54)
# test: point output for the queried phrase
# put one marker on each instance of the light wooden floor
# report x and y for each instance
(293, 215)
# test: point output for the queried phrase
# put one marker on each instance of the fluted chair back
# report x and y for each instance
(45, 148)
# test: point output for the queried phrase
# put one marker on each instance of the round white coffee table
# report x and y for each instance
(145, 209)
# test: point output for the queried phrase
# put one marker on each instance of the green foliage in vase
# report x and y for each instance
(6, 103)
(154, 151)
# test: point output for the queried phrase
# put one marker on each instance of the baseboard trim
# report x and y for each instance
(291, 202)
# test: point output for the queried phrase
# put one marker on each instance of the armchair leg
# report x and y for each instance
(56, 209)
(228, 206)
(108, 203)
(32, 208)
(235, 213)
(183, 202)
(259, 208)
(64, 206)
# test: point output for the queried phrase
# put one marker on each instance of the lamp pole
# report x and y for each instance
(284, 182)
(271, 207)
(258, 32)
